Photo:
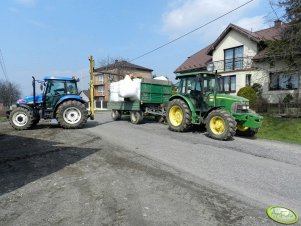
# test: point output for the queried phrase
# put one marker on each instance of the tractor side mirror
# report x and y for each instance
(42, 84)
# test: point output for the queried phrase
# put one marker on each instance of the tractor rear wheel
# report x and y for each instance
(136, 117)
(72, 114)
(220, 125)
(178, 116)
(116, 115)
(245, 131)
(21, 118)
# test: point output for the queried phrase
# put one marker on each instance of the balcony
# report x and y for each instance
(236, 64)
(97, 82)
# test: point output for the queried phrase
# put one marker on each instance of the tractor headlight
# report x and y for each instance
(240, 107)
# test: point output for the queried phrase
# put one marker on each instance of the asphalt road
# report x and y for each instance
(264, 172)
(117, 173)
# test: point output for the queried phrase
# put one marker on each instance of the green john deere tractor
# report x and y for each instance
(198, 101)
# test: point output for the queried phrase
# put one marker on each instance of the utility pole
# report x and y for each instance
(91, 87)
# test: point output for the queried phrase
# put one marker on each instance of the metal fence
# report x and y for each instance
(279, 109)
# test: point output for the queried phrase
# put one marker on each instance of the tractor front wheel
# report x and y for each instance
(220, 125)
(72, 114)
(21, 118)
(245, 131)
(178, 116)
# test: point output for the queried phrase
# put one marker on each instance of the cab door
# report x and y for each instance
(55, 90)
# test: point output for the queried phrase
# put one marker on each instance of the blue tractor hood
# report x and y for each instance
(29, 99)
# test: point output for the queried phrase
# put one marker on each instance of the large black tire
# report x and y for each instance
(21, 118)
(178, 116)
(246, 132)
(35, 122)
(136, 117)
(220, 125)
(116, 115)
(72, 114)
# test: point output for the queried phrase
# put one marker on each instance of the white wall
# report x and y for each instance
(259, 71)
(234, 39)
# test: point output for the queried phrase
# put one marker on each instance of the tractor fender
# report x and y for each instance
(25, 106)
(187, 101)
(66, 98)
(211, 109)
(195, 118)
(29, 108)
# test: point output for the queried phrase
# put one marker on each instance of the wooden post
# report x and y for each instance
(91, 87)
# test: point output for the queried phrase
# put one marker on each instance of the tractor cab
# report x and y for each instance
(54, 88)
(198, 88)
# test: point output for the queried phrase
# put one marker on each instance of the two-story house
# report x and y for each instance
(112, 73)
(239, 56)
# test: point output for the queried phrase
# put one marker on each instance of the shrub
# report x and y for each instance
(288, 98)
(258, 89)
(249, 93)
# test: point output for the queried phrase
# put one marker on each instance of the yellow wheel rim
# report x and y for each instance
(176, 115)
(242, 128)
(217, 125)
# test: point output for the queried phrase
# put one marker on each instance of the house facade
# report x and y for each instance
(239, 56)
(104, 76)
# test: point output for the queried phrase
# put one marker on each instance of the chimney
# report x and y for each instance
(277, 23)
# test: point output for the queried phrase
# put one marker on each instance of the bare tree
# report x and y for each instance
(287, 48)
(116, 65)
(9, 92)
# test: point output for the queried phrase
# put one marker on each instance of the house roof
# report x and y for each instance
(87, 93)
(197, 61)
(123, 64)
(272, 33)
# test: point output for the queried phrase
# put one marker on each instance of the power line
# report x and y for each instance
(188, 33)
(3, 65)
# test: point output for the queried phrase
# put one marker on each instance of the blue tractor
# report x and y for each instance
(59, 100)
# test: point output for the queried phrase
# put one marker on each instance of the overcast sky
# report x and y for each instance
(56, 37)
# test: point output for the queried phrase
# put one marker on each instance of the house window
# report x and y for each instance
(248, 79)
(228, 84)
(284, 81)
(100, 89)
(233, 58)
(100, 78)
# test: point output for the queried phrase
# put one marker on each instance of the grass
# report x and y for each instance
(3, 119)
(281, 129)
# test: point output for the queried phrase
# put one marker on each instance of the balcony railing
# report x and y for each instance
(235, 64)
(97, 82)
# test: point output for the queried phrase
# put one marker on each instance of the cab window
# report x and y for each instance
(56, 88)
(189, 84)
(71, 87)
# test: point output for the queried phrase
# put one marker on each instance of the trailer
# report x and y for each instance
(153, 100)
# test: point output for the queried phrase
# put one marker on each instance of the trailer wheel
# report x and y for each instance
(178, 116)
(72, 114)
(220, 125)
(21, 118)
(245, 131)
(136, 117)
(116, 115)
